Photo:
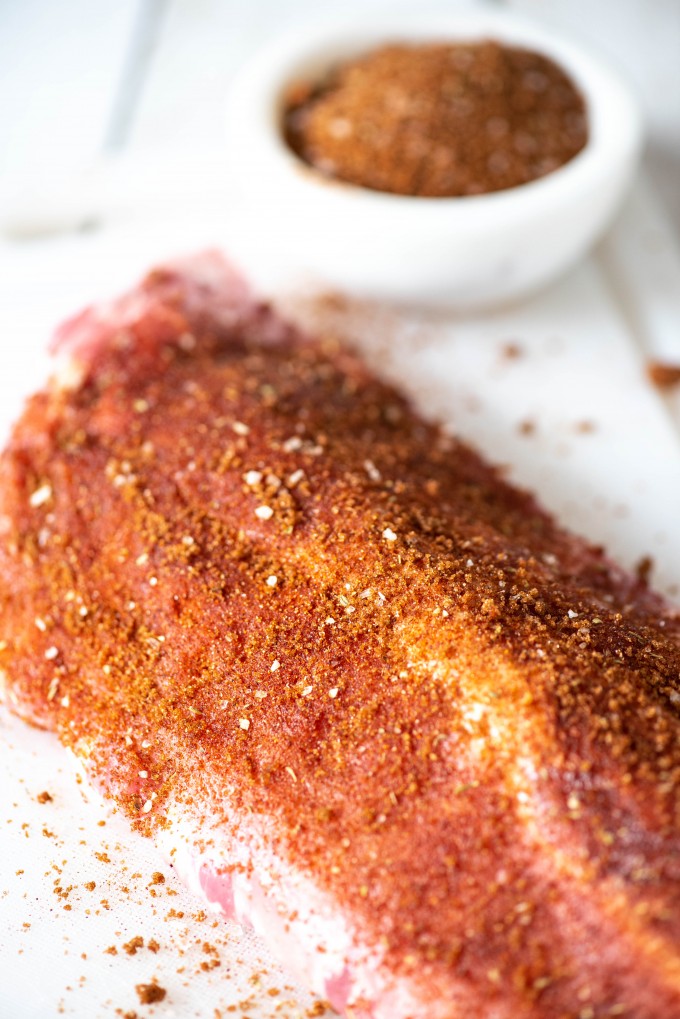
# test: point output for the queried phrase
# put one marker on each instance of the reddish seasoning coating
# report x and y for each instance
(459, 722)
(438, 119)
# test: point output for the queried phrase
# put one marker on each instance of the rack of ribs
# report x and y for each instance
(368, 697)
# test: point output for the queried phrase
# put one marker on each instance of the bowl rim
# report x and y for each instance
(254, 107)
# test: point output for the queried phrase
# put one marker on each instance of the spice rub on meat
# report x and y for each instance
(418, 735)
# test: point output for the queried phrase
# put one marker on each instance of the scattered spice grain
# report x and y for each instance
(512, 351)
(149, 994)
(663, 375)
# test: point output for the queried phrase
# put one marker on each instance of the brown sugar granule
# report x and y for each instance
(44, 797)
(149, 994)
(131, 946)
(663, 375)
(438, 119)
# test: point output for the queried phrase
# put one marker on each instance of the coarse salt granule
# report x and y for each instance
(264, 512)
(41, 495)
(372, 471)
(187, 341)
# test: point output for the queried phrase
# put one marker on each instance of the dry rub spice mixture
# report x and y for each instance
(241, 574)
(438, 120)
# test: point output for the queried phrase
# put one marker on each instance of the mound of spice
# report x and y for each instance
(438, 120)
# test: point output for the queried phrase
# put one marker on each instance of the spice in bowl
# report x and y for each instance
(438, 119)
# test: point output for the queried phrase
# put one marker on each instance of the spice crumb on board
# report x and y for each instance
(663, 375)
(512, 351)
(527, 427)
(133, 945)
(149, 994)
(44, 797)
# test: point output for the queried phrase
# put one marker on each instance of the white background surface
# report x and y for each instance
(69, 71)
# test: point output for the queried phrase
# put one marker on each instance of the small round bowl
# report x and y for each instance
(298, 227)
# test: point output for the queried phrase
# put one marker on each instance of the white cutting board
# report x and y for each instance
(602, 450)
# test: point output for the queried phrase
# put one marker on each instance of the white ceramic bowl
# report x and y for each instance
(300, 228)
